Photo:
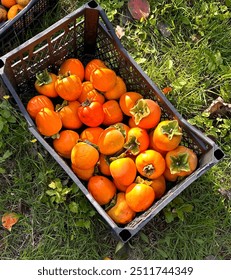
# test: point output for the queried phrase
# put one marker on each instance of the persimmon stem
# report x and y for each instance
(140, 180)
(120, 127)
(140, 110)
(132, 145)
(59, 107)
(149, 169)
(86, 103)
(43, 78)
(171, 129)
(179, 163)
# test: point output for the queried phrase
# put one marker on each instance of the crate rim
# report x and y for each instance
(120, 231)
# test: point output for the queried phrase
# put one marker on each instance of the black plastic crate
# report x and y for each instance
(13, 32)
(85, 34)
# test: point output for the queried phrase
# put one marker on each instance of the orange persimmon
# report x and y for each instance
(150, 164)
(128, 100)
(123, 170)
(45, 83)
(118, 89)
(65, 141)
(92, 65)
(91, 134)
(69, 115)
(101, 188)
(167, 135)
(110, 141)
(112, 113)
(72, 66)
(48, 122)
(139, 196)
(103, 79)
(84, 155)
(146, 113)
(181, 161)
(138, 140)
(121, 213)
(38, 102)
(68, 87)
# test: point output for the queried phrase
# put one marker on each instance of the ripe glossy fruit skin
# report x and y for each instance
(139, 197)
(104, 165)
(69, 115)
(123, 170)
(152, 119)
(91, 113)
(48, 122)
(167, 141)
(128, 100)
(159, 186)
(138, 140)
(152, 145)
(103, 79)
(111, 140)
(84, 156)
(121, 213)
(181, 161)
(101, 188)
(90, 93)
(38, 102)
(91, 66)
(73, 66)
(112, 113)
(84, 174)
(23, 2)
(8, 3)
(119, 89)
(150, 164)
(91, 134)
(48, 88)
(69, 87)
(64, 144)
(14, 10)
(170, 177)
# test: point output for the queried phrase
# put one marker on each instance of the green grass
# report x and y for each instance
(194, 59)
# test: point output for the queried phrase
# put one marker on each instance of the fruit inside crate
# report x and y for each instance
(86, 34)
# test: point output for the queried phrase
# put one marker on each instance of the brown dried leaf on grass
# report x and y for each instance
(219, 107)
(139, 8)
(225, 193)
(119, 31)
(166, 90)
(164, 29)
(9, 219)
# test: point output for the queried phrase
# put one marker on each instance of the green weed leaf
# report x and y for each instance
(144, 237)
(83, 224)
(162, 253)
(74, 207)
(5, 156)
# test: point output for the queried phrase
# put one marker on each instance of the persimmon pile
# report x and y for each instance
(10, 8)
(115, 140)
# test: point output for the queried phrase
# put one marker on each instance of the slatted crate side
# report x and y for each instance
(71, 37)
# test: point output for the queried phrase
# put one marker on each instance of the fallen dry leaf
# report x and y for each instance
(166, 90)
(139, 8)
(218, 106)
(9, 219)
(226, 193)
(119, 31)
(164, 29)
